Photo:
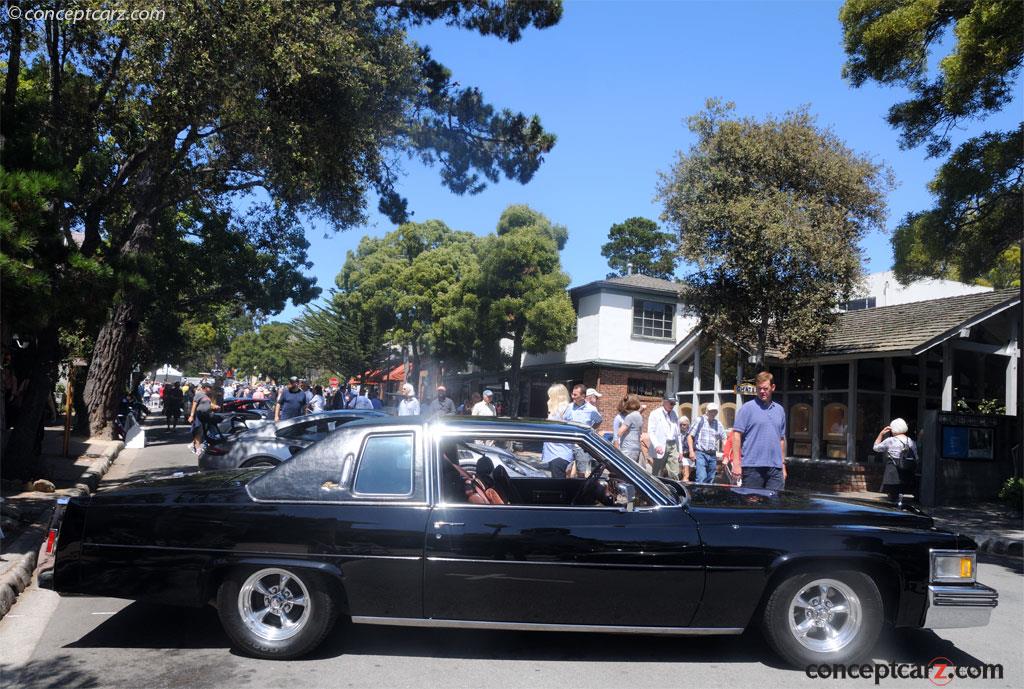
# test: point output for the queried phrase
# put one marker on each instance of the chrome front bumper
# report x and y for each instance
(950, 607)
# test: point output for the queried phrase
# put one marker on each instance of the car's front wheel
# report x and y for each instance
(815, 618)
(275, 612)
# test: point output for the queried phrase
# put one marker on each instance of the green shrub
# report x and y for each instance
(1012, 492)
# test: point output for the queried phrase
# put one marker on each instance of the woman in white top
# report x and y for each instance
(897, 449)
(317, 402)
(557, 456)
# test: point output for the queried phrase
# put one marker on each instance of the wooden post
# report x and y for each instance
(68, 395)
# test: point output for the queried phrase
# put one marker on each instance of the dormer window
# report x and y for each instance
(653, 319)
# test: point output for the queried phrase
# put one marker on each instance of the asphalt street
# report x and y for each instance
(67, 643)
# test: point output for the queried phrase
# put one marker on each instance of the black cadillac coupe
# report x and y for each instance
(379, 523)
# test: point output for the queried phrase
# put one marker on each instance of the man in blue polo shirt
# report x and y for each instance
(759, 438)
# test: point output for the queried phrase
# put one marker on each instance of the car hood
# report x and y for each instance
(712, 504)
(181, 487)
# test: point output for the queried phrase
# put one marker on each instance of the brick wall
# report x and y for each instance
(833, 477)
(612, 384)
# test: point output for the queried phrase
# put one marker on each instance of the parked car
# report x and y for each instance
(271, 443)
(377, 524)
(248, 408)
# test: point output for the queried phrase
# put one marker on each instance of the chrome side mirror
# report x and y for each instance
(626, 496)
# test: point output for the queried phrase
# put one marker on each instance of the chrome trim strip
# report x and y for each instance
(602, 565)
(539, 627)
(256, 553)
(577, 508)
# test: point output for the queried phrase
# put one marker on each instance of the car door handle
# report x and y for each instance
(438, 525)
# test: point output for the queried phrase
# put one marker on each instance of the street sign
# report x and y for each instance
(745, 389)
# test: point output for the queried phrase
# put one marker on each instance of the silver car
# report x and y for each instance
(274, 442)
(471, 453)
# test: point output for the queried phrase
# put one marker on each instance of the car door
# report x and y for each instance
(560, 565)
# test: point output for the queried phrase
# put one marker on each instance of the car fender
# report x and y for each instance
(885, 572)
(220, 567)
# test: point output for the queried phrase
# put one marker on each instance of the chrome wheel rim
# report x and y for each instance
(825, 616)
(274, 604)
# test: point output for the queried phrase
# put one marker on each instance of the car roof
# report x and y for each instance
(331, 414)
(477, 424)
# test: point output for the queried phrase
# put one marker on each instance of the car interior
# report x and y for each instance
(589, 480)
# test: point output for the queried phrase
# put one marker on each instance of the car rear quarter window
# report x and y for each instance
(385, 466)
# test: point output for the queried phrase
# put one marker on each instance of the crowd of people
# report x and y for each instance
(749, 454)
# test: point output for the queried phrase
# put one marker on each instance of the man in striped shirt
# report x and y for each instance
(705, 438)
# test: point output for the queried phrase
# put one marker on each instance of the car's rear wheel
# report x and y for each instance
(275, 612)
(815, 618)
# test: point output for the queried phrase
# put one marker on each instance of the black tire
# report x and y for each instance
(260, 462)
(268, 636)
(799, 623)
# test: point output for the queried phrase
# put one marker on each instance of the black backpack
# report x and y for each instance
(907, 461)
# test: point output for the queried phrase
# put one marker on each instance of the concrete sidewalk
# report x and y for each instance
(26, 510)
(994, 526)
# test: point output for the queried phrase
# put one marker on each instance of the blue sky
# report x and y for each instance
(615, 80)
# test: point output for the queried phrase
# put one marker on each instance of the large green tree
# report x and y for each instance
(266, 352)
(521, 289)
(979, 190)
(636, 245)
(311, 103)
(771, 212)
(411, 285)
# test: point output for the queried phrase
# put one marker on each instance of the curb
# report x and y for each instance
(987, 542)
(17, 575)
(998, 546)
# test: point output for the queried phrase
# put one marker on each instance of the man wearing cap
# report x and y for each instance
(291, 401)
(485, 407)
(593, 395)
(442, 405)
(409, 406)
(663, 431)
(586, 414)
(705, 438)
(361, 401)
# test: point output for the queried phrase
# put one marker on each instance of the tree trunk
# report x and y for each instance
(112, 355)
(414, 373)
(81, 374)
(23, 447)
(108, 372)
(513, 384)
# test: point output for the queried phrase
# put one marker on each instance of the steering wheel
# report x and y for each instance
(588, 491)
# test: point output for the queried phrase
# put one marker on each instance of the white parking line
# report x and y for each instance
(104, 613)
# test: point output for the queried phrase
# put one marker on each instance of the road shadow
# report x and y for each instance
(1010, 563)
(60, 672)
(150, 626)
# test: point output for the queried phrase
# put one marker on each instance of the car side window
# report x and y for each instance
(385, 465)
(300, 431)
(530, 472)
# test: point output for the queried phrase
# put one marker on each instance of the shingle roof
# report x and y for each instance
(634, 281)
(647, 282)
(911, 327)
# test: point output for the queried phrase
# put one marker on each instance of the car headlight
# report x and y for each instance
(953, 566)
